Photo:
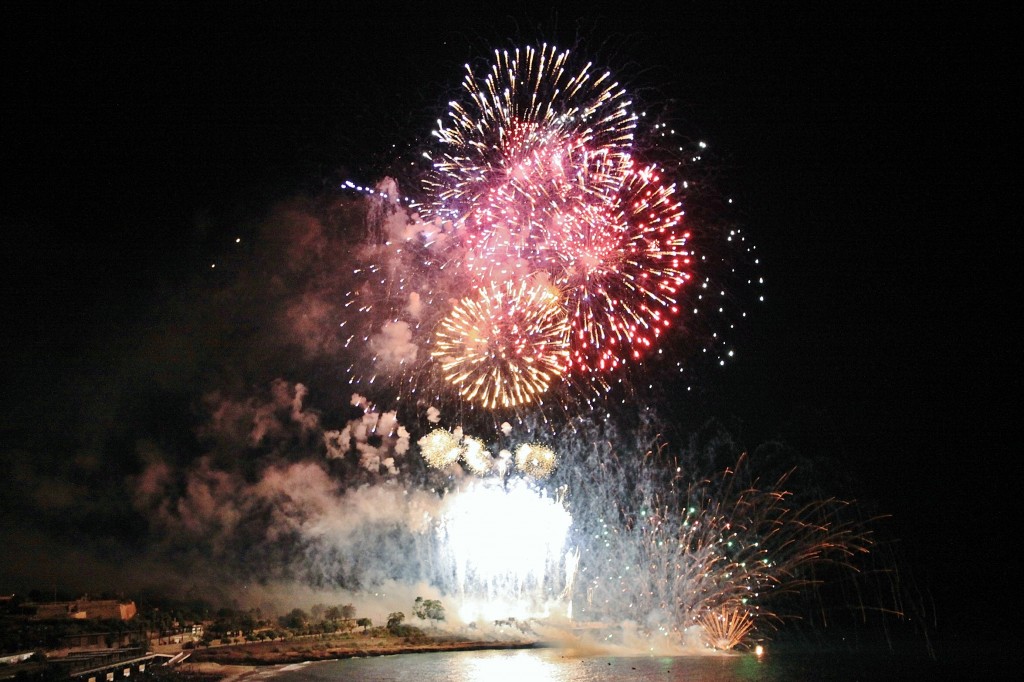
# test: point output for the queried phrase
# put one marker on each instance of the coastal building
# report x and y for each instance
(86, 609)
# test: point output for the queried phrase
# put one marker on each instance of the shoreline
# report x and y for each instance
(236, 662)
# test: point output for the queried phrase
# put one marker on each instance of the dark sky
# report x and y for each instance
(866, 149)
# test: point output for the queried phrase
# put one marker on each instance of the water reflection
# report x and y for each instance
(516, 666)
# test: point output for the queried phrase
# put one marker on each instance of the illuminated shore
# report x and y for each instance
(235, 662)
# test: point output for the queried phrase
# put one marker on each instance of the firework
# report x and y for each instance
(440, 448)
(475, 455)
(535, 460)
(504, 346)
(534, 138)
(724, 628)
(624, 267)
(692, 551)
(507, 545)
(548, 252)
(695, 560)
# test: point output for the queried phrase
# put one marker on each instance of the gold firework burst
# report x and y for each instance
(535, 460)
(440, 448)
(725, 627)
(504, 346)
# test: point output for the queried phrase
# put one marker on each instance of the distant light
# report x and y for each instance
(759, 651)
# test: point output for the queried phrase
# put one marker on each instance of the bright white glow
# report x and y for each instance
(512, 668)
(507, 545)
(475, 455)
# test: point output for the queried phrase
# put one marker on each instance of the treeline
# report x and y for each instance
(196, 622)
(321, 619)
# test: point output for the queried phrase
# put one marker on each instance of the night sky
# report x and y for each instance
(865, 151)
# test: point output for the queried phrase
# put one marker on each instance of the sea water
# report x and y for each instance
(554, 665)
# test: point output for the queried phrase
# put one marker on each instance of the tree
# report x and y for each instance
(428, 609)
(395, 620)
(296, 619)
(434, 610)
(364, 623)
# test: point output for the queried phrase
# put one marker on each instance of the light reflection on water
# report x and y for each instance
(520, 665)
